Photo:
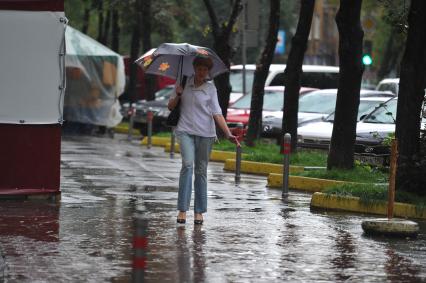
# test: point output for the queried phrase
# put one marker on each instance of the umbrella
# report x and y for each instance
(175, 59)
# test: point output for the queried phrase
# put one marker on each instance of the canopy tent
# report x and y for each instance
(95, 80)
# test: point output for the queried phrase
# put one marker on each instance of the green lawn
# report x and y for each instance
(372, 193)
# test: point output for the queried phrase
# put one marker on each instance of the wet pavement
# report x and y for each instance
(249, 234)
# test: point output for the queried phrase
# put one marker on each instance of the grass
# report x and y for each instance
(360, 174)
(373, 193)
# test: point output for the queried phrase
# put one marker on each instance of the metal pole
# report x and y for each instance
(392, 174)
(140, 245)
(238, 164)
(172, 145)
(240, 127)
(131, 113)
(286, 164)
(149, 119)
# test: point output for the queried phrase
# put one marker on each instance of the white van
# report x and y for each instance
(314, 76)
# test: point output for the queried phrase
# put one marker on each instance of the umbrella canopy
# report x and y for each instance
(175, 59)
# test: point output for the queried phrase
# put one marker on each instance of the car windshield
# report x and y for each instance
(365, 107)
(236, 80)
(272, 100)
(385, 114)
(164, 93)
(317, 102)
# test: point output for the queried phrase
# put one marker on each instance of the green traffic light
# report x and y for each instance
(367, 60)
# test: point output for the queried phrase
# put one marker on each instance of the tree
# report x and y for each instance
(410, 98)
(115, 30)
(260, 74)
(221, 35)
(134, 51)
(293, 71)
(149, 87)
(341, 153)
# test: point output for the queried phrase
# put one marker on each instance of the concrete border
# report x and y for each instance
(302, 183)
(157, 141)
(261, 168)
(353, 204)
(124, 129)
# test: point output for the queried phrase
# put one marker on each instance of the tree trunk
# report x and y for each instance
(293, 72)
(149, 80)
(100, 20)
(341, 153)
(221, 36)
(86, 18)
(115, 31)
(260, 74)
(105, 36)
(134, 53)
(411, 93)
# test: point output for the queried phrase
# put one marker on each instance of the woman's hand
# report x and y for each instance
(179, 90)
(233, 139)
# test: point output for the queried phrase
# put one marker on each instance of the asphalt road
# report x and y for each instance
(249, 234)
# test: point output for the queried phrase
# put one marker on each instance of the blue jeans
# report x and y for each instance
(194, 150)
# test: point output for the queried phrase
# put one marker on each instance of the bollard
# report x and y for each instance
(286, 164)
(172, 145)
(149, 117)
(239, 135)
(238, 163)
(131, 114)
(140, 245)
(392, 173)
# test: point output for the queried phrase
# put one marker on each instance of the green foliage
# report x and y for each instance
(362, 174)
(371, 193)
(267, 152)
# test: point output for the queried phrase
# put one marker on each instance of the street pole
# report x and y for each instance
(150, 116)
(172, 145)
(286, 164)
(131, 114)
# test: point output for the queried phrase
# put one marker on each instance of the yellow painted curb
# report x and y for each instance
(124, 129)
(168, 145)
(302, 183)
(156, 141)
(333, 202)
(259, 167)
(222, 156)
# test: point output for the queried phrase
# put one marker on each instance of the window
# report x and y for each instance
(236, 80)
(321, 80)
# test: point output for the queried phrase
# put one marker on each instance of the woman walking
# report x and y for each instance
(196, 132)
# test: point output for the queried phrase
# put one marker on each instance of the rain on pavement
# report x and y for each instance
(249, 234)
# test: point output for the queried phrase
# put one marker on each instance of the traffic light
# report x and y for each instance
(367, 58)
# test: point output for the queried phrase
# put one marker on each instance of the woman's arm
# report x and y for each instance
(224, 127)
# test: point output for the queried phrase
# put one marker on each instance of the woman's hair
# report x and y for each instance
(203, 61)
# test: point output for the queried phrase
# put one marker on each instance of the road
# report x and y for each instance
(249, 234)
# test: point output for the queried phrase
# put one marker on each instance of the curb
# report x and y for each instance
(353, 204)
(259, 167)
(157, 141)
(125, 130)
(302, 183)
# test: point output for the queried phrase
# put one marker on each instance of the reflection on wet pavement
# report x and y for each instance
(249, 235)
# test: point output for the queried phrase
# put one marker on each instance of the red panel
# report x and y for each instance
(30, 159)
(32, 5)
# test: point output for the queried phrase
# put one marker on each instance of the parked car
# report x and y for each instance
(157, 106)
(313, 106)
(390, 84)
(314, 76)
(318, 134)
(273, 102)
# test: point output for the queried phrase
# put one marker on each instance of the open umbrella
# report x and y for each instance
(174, 60)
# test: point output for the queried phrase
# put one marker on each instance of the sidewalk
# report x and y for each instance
(249, 234)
